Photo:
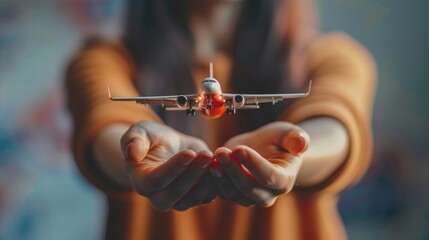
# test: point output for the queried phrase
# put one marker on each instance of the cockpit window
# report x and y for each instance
(212, 81)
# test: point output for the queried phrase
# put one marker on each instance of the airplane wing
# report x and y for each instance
(250, 101)
(170, 102)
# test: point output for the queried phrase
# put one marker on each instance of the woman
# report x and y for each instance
(258, 46)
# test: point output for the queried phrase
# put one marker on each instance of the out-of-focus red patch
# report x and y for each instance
(217, 107)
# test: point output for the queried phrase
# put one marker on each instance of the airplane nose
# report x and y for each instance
(211, 88)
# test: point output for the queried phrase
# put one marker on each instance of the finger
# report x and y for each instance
(135, 144)
(229, 192)
(265, 173)
(165, 199)
(215, 169)
(241, 179)
(226, 188)
(201, 193)
(196, 144)
(295, 140)
(148, 177)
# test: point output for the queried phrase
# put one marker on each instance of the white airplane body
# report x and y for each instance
(210, 100)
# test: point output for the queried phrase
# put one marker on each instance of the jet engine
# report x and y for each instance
(181, 101)
(238, 101)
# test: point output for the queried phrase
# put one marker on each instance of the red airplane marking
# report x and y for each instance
(217, 105)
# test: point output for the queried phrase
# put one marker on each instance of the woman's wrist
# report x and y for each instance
(108, 155)
(328, 149)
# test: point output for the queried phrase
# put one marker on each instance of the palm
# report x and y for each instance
(265, 147)
(267, 141)
(260, 165)
(165, 142)
(167, 166)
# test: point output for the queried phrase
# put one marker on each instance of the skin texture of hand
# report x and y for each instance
(168, 167)
(255, 168)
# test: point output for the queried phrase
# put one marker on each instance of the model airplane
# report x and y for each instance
(210, 101)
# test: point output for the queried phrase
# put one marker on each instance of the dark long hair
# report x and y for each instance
(159, 39)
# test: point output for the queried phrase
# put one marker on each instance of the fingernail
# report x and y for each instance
(186, 160)
(204, 161)
(215, 162)
(240, 154)
(127, 149)
(129, 152)
(134, 150)
(216, 172)
(223, 159)
(296, 143)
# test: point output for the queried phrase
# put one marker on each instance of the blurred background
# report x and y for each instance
(43, 196)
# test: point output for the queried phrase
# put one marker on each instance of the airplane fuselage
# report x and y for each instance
(211, 102)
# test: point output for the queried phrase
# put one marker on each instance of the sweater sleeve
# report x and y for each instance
(94, 68)
(344, 79)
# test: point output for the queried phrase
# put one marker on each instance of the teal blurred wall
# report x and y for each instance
(392, 201)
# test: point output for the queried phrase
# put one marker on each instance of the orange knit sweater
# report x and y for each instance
(343, 76)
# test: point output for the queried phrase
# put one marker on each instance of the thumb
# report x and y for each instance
(296, 141)
(135, 144)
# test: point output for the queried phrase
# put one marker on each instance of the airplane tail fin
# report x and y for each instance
(211, 69)
(309, 87)
(108, 91)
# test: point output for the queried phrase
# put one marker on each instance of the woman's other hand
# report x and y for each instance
(255, 168)
(166, 166)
